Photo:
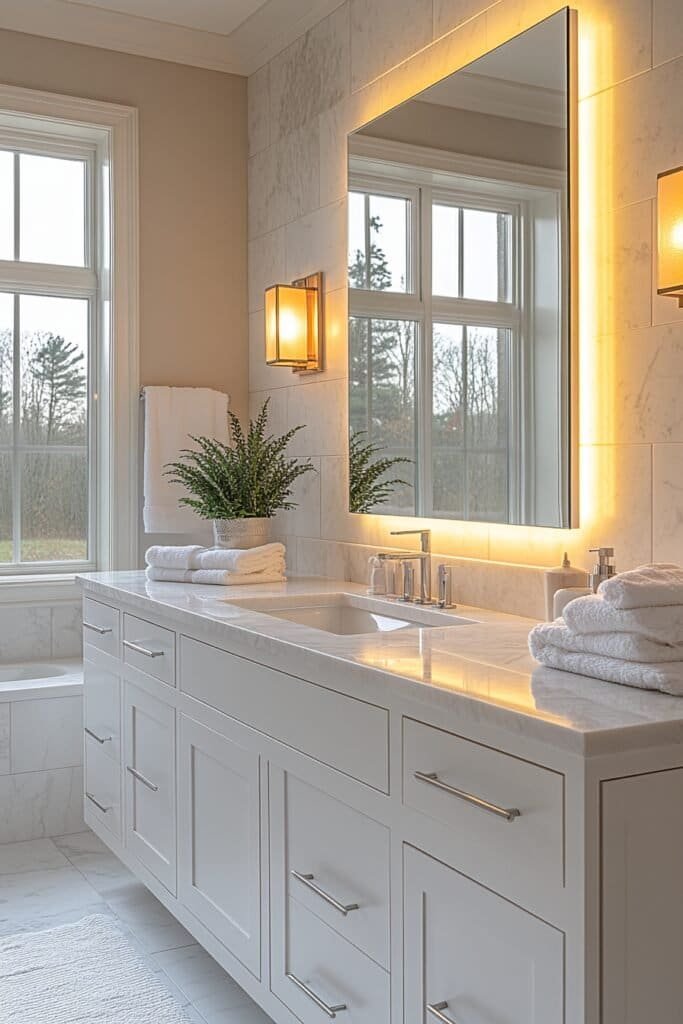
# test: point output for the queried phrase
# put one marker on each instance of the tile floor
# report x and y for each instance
(47, 882)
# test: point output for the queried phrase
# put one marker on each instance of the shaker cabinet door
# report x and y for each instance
(471, 957)
(219, 835)
(149, 742)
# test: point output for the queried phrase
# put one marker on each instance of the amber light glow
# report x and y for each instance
(670, 234)
(293, 324)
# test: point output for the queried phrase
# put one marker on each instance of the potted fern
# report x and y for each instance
(240, 486)
(368, 484)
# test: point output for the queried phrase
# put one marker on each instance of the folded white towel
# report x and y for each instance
(625, 646)
(592, 614)
(270, 557)
(213, 577)
(665, 677)
(648, 586)
(171, 416)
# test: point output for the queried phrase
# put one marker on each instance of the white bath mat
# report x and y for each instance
(84, 973)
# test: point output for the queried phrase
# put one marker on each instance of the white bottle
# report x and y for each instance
(563, 577)
(376, 576)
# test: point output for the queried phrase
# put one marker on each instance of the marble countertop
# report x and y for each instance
(482, 667)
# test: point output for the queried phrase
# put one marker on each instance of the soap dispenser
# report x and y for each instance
(604, 569)
(560, 579)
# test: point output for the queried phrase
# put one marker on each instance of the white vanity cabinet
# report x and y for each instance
(345, 851)
(219, 838)
(149, 781)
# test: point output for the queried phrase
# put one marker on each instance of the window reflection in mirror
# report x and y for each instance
(459, 289)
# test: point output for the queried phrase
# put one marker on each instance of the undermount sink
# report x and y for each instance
(349, 614)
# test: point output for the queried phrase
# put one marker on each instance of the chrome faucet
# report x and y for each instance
(424, 555)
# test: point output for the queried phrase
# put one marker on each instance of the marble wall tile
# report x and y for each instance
(25, 632)
(47, 733)
(626, 301)
(333, 128)
(258, 109)
(619, 35)
(667, 41)
(311, 75)
(284, 181)
(316, 242)
(384, 33)
(266, 259)
(67, 630)
(321, 407)
(5, 739)
(639, 137)
(448, 14)
(38, 804)
(304, 520)
(667, 510)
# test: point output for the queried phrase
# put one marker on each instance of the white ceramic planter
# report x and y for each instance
(241, 533)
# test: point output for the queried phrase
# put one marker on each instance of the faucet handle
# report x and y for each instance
(445, 586)
(408, 581)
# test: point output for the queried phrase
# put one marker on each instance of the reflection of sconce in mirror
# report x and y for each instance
(294, 324)
(670, 234)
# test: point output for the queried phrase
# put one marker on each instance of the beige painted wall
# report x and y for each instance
(366, 57)
(193, 322)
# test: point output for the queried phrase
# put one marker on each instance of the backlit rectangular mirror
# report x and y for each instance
(461, 292)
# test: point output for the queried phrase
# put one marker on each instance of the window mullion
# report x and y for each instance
(16, 422)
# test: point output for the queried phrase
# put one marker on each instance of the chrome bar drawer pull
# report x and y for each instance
(435, 1010)
(509, 813)
(308, 881)
(97, 804)
(97, 629)
(331, 1011)
(142, 650)
(141, 778)
(100, 739)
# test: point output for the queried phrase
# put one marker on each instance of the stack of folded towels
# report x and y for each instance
(630, 632)
(222, 566)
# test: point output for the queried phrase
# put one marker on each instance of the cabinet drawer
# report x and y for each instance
(101, 626)
(320, 974)
(102, 787)
(471, 956)
(149, 648)
(348, 734)
(333, 860)
(471, 789)
(102, 711)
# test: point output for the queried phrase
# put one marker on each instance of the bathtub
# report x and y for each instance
(41, 749)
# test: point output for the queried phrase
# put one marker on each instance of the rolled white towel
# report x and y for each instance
(665, 677)
(625, 646)
(592, 614)
(648, 586)
(213, 577)
(169, 556)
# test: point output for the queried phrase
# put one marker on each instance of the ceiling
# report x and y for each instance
(224, 35)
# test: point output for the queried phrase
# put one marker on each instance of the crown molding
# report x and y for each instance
(257, 40)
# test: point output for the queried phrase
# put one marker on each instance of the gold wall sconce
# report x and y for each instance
(294, 324)
(670, 234)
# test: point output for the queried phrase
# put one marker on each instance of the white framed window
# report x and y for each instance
(455, 411)
(68, 337)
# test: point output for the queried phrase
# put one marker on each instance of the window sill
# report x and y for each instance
(46, 588)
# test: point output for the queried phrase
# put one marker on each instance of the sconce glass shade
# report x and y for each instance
(292, 326)
(670, 233)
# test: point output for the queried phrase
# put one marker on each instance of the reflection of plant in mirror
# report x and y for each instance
(366, 486)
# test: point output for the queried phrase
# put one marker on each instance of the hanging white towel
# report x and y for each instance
(648, 586)
(171, 416)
